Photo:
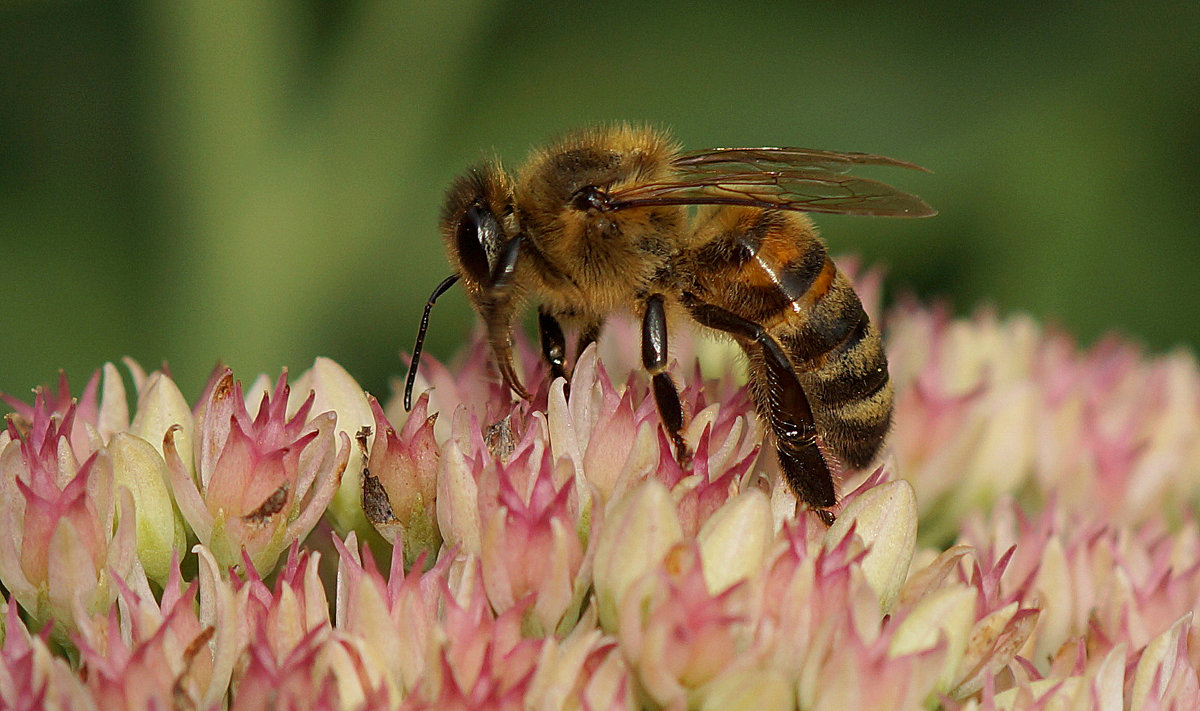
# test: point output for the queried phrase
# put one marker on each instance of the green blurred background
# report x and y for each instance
(259, 182)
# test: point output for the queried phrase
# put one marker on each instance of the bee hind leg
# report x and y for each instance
(654, 360)
(785, 404)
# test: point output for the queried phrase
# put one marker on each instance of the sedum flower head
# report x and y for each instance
(72, 530)
(399, 482)
(149, 655)
(31, 676)
(988, 408)
(261, 482)
(1028, 539)
(530, 548)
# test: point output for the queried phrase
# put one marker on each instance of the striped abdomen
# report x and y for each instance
(770, 268)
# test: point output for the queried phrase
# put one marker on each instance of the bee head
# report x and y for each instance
(482, 241)
(478, 230)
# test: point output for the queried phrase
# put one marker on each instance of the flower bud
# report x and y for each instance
(458, 500)
(633, 539)
(335, 389)
(885, 518)
(735, 539)
(138, 467)
(160, 407)
(264, 481)
(1162, 660)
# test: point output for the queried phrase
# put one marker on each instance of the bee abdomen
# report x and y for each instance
(768, 267)
(851, 398)
(841, 364)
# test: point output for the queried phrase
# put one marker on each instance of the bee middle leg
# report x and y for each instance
(786, 405)
(554, 344)
(654, 360)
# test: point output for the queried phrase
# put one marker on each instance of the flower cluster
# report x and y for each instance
(1028, 541)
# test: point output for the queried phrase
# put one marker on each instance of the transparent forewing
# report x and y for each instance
(778, 178)
(766, 158)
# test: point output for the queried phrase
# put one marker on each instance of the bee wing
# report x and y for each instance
(767, 158)
(798, 179)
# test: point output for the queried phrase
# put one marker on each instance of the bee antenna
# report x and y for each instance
(416, 355)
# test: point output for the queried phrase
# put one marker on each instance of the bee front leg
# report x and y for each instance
(654, 360)
(786, 406)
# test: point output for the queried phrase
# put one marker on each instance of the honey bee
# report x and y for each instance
(602, 222)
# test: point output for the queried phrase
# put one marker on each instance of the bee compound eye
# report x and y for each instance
(589, 197)
(477, 240)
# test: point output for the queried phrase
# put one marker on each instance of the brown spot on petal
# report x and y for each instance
(678, 560)
(224, 387)
(500, 440)
(198, 643)
(375, 502)
(361, 438)
(179, 690)
(271, 506)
